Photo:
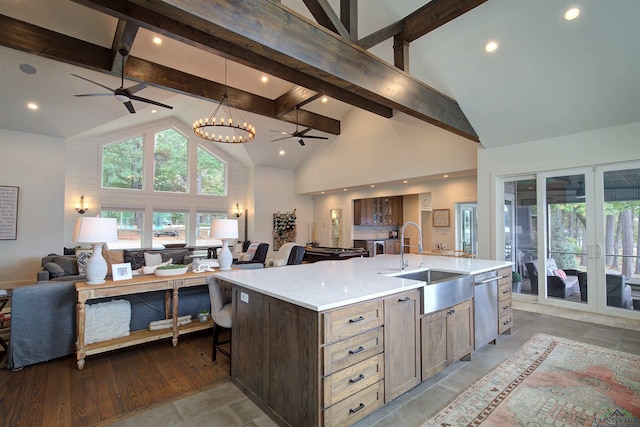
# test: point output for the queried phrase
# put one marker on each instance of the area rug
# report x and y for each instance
(552, 381)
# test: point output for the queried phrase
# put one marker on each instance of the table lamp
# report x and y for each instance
(225, 230)
(96, 231)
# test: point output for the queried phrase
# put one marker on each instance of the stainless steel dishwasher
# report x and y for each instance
(485, 307)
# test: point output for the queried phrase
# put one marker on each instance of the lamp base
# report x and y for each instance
(225, 259)
(96, 268)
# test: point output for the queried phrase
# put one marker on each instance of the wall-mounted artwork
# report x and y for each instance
(284, 228)
(441, 217)
(8, 212)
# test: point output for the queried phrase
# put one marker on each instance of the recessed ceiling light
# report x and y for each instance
(32, 106)
(571, 14)
(27, 69)
(281, 152)
(372, 185)
(405, 181)
(157, 40)
(322, 192)
(445, 176)
(325, 99)
(264, 79)
(154, 111)
(345, 189)
(491, 46)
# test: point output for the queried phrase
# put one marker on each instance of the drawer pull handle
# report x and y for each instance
(506, 291)
(404, 299)
(354, 410)
(355, 380)
(359, 319)
(357, 350)
(505, 307)
(506, 322)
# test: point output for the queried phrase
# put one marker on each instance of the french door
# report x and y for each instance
(573, 235)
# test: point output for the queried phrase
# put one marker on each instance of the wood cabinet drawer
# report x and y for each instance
(504, 307)
(505, 323)
(504, 291)
(505, 274)
(356, 407)
(352, 320)
(345, 353)
(351, 380)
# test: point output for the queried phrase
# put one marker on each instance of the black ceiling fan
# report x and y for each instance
(122, 94)
(297, 135)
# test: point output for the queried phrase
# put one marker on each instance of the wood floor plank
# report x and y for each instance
(112, 385)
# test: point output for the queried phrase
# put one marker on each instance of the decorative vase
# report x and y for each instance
(203, 317)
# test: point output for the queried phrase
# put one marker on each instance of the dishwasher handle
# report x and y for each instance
(491, 279)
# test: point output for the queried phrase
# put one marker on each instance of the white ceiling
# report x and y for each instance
(548, 77)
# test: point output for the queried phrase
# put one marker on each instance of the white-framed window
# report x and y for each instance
(130, 226)
(123, 164)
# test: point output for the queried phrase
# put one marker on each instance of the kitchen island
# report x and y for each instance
(328, 343)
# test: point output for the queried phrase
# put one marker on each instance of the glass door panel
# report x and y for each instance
(621, 237)
(567, 239)
(468, 228)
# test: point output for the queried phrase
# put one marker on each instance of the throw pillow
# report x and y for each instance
(68, 264)
(82, 256)
(177, 255)
(251, 250)
(151, 259)
(54, 270)
(561, 273)
(135, 257)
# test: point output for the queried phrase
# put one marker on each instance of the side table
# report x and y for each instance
(3, 302)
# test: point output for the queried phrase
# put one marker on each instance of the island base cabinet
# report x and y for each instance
(401, 343)
(446, 336)
(355, 407)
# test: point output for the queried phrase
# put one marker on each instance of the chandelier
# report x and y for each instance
(218, 129)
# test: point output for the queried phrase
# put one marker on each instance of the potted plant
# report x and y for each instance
(516, 282)
(203, 316)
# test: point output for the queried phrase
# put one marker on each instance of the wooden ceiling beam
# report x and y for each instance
(326, 16)
(277, 37)
(433, 15)
(295, 97)
(349, 18)
(123, 39)
(259, 59)
(381, 35)
(60, 47)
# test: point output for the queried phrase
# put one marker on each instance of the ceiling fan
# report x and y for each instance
(297, 135)
(122, 94)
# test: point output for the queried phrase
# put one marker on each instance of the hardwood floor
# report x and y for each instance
(112, 385)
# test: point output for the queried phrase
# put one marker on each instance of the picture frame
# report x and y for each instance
(9, 212)
(440, 217)
(121, 271)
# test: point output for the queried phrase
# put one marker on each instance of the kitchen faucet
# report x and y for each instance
(402, 264)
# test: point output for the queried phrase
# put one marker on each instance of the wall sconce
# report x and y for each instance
(80, 207)
(237, 212)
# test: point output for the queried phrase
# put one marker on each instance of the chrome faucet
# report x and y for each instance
(402, 263)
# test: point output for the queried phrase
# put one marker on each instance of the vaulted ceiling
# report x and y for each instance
(549, 77)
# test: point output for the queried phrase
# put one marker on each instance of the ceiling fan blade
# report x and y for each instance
(136, 88)
(95, 94)
(149, 101)
(302, 132)
(279, 131)
(300, 141)
(315, 137)
(129, 106)
(280, 139)
(95, 83)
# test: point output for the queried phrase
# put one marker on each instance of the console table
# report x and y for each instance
(139, 284)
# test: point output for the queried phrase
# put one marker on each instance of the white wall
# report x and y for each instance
(598, 147)
(35, 163)
(274, 192)
(374, 150)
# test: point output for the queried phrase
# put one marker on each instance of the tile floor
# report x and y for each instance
(227, 406)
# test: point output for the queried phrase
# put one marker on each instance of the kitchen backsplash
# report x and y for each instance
(373, 232)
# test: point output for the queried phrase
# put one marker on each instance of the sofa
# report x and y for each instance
(560, 283)
(61, 268)
(43, 318)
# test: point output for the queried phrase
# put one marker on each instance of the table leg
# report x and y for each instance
(80, 326)
(175, 316)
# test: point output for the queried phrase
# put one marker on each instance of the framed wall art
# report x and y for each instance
(121, 271)
(440, 217)
(8, 212)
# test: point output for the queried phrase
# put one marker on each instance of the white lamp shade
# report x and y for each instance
(224, 229)
(95, 230)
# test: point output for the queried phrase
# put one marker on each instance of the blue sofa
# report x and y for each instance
(43, 318)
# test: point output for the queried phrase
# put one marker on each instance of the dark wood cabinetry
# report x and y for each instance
(378, 211)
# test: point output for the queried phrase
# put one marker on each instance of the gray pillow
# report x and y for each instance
(177, 255)
(54, 270)
(68, 264)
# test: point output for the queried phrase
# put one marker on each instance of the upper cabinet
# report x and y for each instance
(378, 211)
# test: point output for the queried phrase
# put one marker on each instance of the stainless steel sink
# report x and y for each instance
(443, 289)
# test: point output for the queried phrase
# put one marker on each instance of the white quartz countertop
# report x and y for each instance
(326, 285)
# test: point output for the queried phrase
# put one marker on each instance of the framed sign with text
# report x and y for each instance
(8, 212)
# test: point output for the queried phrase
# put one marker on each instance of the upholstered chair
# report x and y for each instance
(220, 293)
(289, 254)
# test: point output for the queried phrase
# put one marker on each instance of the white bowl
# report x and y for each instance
(171, 272)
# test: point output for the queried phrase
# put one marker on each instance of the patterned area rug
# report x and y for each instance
(552, 381)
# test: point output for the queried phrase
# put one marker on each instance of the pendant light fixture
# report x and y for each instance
(224, 125)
